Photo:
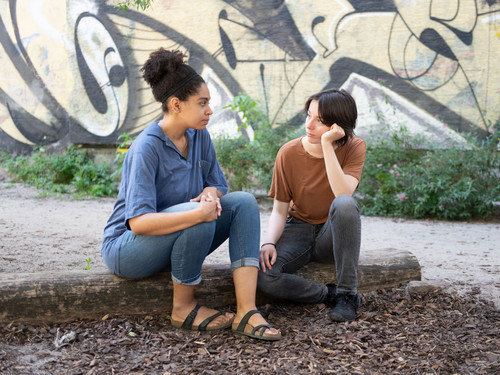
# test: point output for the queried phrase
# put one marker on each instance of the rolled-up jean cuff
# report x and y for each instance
(245, 262)
(193, 282)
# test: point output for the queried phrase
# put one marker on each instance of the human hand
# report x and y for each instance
(209, 207)
(334, 134)
(267, 256)
(213, 192)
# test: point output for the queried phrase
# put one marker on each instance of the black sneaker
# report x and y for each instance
(345, 308)
(331, 297)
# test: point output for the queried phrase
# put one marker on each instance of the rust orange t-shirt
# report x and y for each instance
(301, 179)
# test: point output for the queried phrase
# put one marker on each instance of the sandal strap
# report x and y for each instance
(264, 326)
(188, 322)
(244, 321)
(207, 321)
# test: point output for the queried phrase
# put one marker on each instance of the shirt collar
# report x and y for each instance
(155, 130)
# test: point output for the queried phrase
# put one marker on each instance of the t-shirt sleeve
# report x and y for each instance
(280, 189)
(140, 196)
(355, 159)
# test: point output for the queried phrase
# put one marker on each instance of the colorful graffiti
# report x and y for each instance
(69, 69)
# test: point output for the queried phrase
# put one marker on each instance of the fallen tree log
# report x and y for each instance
(72, 295)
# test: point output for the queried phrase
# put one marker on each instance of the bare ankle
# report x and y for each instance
(182, 309)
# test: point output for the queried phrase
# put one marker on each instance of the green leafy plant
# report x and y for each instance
(89, 264)
(248, 109)
(96, 180)
(139, 4)
(236, 161)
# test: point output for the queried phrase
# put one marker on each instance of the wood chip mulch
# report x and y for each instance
(396, 333)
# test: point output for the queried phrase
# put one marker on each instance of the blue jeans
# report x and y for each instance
(337, 241)
(183, 252)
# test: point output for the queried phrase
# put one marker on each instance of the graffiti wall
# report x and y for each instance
(69, 69)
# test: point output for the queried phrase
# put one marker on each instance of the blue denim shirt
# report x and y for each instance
(155, 176)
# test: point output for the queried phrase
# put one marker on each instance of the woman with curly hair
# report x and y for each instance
(172, 209)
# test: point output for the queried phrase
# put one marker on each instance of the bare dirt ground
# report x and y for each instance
(456, 330)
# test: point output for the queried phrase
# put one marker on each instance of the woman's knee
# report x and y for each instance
(344, 205)
(241, 199)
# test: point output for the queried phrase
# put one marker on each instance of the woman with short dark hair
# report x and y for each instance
(314, 216)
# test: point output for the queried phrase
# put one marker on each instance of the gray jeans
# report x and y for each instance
(337, 241)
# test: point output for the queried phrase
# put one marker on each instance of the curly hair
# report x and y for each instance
(169, 75)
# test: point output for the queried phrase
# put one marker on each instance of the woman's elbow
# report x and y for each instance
(344, 192)
(137, 232)
(135, 227)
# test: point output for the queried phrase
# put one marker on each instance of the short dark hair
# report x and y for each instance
(336, 106)
(164, 70)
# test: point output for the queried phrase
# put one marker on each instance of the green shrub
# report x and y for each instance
(71, 171)
(402, 179)
(96, 180)
(236, 160)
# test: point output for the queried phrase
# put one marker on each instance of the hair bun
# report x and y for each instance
(161, 63)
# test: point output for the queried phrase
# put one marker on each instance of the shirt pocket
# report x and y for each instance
(204, 167)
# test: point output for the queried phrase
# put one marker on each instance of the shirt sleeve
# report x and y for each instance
(280, 189)
(355, 159)
(140, 197)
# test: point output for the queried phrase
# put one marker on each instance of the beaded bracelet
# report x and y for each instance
(268, 243)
